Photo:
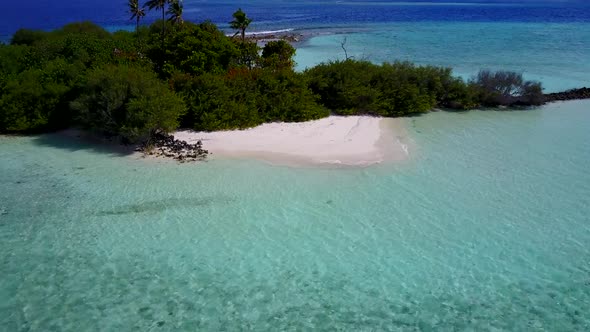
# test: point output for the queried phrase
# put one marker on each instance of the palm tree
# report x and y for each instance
(159, 5)
(240, 23)
(136, 12)
(175, 11)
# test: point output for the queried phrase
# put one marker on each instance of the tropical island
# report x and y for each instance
(140, 86)
(249, 206)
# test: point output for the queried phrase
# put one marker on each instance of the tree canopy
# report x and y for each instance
(132, 84)
(240, 22)
(136, 11)
(175, 11)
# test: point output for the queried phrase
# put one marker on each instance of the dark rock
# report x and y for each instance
(574, 94)
(162, 144)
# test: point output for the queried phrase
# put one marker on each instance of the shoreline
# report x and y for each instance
(331, 142)
(335, 141)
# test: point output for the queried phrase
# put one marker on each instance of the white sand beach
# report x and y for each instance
(335, 140)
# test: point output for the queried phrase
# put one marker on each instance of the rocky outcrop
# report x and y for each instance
(164, 145)
(263, 38)
(582, 93)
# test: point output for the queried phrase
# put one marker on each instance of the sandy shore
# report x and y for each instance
(336, 140)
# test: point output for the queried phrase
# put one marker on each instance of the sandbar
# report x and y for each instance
(332, 141)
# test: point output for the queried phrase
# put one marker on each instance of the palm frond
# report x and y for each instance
(175, 11)
(155, 4)
(135, 9)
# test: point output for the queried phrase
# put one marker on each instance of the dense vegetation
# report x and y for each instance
(176, 73)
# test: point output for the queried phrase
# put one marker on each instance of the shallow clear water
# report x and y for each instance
(556, 54)
(545, 40)
(485, 228)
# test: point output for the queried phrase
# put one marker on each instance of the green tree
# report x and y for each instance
(278, 54)
(137, 12)
(12, 58)
(391, 89)
(27, 37)
(220, 102)
(128, 102)
(345, 86)
(175, 11)
(245, 98)
(159, 5)
(85, 27)
(240, 23)
(36, 98)
(195, 49)
(249, 54)
(285, 96)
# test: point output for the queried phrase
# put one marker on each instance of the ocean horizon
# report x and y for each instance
(485, 226)
(543, 40)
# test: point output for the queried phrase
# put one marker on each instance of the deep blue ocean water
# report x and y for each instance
(43, 14)
(544, 40)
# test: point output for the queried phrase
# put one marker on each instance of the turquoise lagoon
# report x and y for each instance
(556, 54)
(486, 227)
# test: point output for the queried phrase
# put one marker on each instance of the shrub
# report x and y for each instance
(344, 87)
(246, 98)
(216, 102)
(110, 81)
(128, 102)
(86, 27)
(12, 59)
(285, 96)
(504, 88)
(391, 89)
(193, 49)
(248, 54)
(278, 54)
(27, 37)
(36, 99)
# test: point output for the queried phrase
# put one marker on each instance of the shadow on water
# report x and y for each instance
(163, 205)
(73, 142)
